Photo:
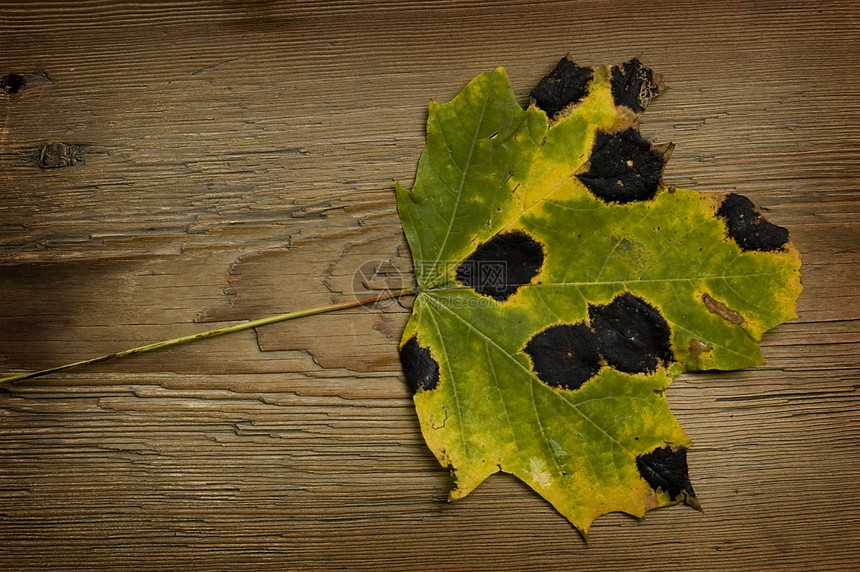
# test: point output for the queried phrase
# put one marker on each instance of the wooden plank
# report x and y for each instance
(227, 160)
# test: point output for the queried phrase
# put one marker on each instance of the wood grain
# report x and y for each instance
(234, 159)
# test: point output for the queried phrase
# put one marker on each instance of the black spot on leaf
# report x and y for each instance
(631, 334)
(623, 167)
(565, 84)
(501, 265)
(748, 228)
(564, 356)
(666, 469)
(422, 371)
(633, 85)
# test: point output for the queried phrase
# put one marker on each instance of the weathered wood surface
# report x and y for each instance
(226, 160)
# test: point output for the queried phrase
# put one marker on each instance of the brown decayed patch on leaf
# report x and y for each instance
(720, 309)
(698, 347)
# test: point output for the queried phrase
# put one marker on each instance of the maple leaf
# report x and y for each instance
(563, 287)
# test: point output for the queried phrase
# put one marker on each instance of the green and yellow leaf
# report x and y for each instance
(563, 287)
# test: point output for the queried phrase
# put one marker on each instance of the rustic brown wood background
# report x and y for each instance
(221, 161)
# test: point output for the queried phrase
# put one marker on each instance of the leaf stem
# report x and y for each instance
(213, 333)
